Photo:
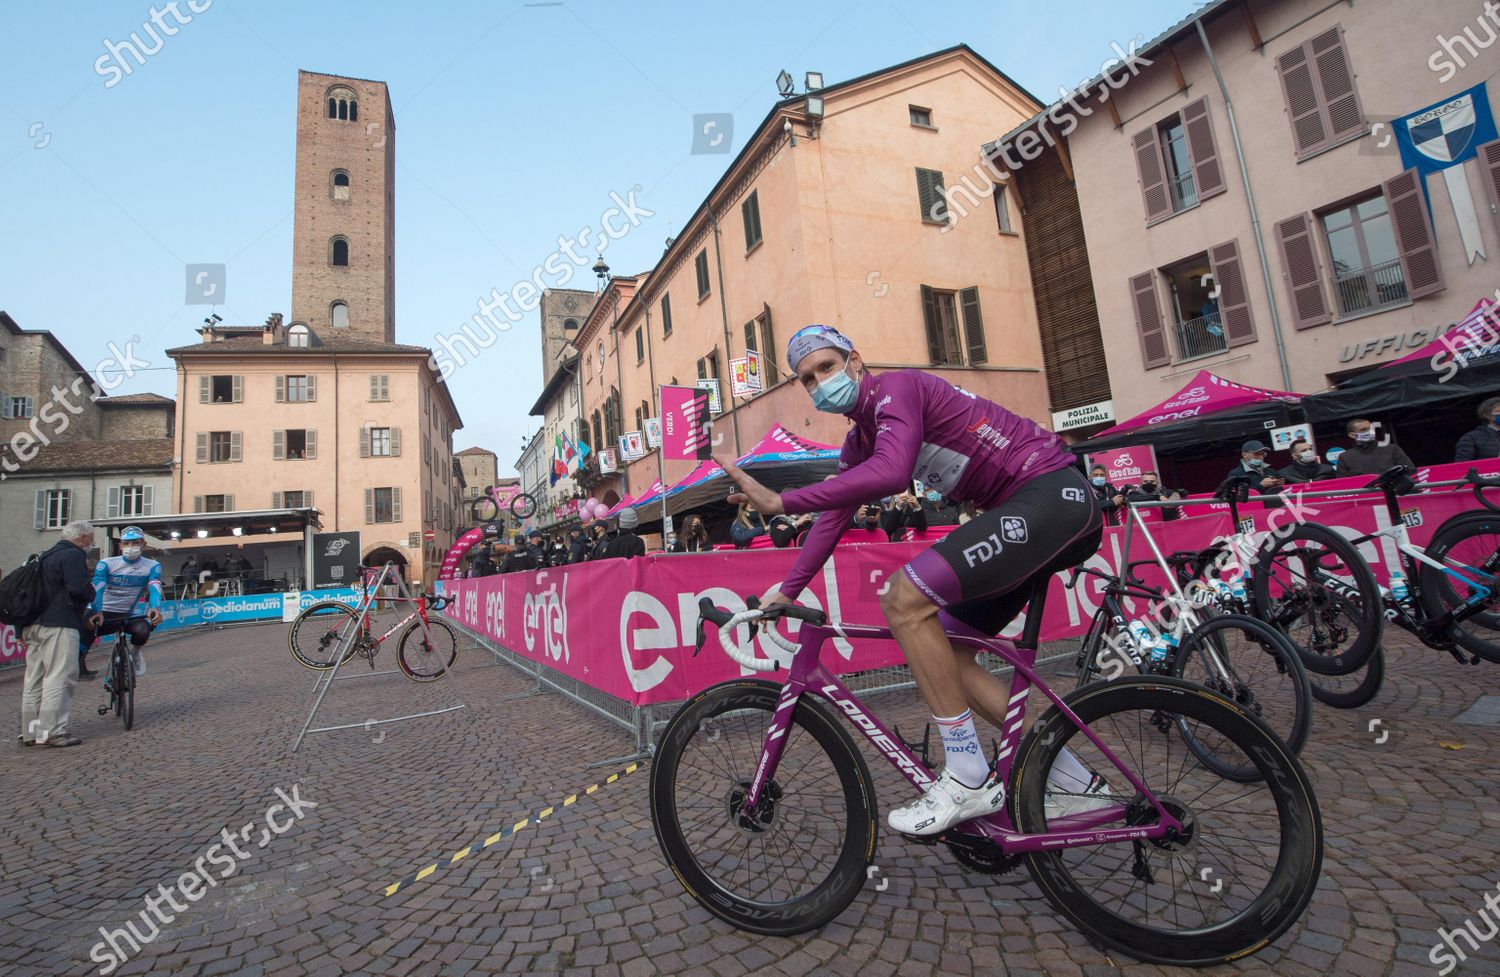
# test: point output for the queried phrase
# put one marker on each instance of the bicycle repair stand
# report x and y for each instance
(387, 573)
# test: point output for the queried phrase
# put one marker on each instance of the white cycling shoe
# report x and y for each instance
(1061, 803)
(946, 803)
(138, 661)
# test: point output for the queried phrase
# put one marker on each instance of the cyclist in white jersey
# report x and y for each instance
(121, 584)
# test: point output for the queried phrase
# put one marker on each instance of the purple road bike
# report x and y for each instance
(765, 809)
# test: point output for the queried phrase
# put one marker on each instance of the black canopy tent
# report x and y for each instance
(1200, 436)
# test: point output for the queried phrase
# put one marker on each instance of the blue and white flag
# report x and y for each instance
(1442, 137)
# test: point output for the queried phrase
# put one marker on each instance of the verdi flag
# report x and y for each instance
(684, 423)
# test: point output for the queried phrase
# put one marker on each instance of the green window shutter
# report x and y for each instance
(932, 320)
(973, 325)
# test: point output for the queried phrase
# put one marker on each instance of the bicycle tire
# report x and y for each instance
(1480, 634)
(1336, 690)
(128, 696)
(417, 669)
(304, 638)
(1290, 799)
(485, 509)
(1282, 698)
(758, 699)
(1358, 601)
(1088, 652)
(116, 682)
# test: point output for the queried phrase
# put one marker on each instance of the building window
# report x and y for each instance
(294, 500)
(338, 312)
(1197, 325)
(338, 252)
(759, 337)
(342, 105)
(570, 325)
(1181, 187)
(18, 407)
(598, 431)
(54, 508)
(954, 326)
(220, 445)
(666, 316)
(133, 500)
(700, 265)
(339, 185)
(221, 389)
(296, 390)
(296, 444)
(708, 366)
(1367, 272)
(216, 503)
(750, 213)
(920, 117)
(380, 442)
(380, 386)
(930, 196)
(383, 505)
(1002, 209)
(298, 337)
(640, 343)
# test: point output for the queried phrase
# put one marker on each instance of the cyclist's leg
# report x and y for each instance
(140, 632)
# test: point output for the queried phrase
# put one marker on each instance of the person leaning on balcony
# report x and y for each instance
(1305, 466)
(747, 525)
(1253, 471)
(1484, 441)
(1366, 457)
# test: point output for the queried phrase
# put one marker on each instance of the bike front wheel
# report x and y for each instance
(485, 509)
(1311, 583)
(1238, 876)
(1468, 545)
(320, 631)
(1255, 666)
(799, 859)
(427, 658)
(1354, 689)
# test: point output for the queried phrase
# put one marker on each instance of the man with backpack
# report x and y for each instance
(47, 598)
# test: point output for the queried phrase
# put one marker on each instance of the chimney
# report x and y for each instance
(273, 332)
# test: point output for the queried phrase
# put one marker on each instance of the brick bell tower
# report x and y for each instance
(344, 221)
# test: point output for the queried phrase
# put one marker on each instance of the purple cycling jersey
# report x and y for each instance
(913, 425)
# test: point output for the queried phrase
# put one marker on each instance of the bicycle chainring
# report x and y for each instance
(981, 855)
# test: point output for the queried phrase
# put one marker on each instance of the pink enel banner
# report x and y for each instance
(627, 628)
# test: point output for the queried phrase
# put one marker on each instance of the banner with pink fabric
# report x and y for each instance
(627, 628)
(1206, 393)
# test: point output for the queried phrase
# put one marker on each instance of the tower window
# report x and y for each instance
(339, 314)
(342, 105)
(339, 252)
(340, 185)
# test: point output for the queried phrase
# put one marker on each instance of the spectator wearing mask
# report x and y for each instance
(52, 640)
(1252, 471)
(938, 510)
(1484, 441)
(692, 539)
(904, 512)
(1150, 490)
(623, 542)
(1365, 456)
(1110, 498)
(1305, 466)
(557, 553)
(526, 556)
(747, 525)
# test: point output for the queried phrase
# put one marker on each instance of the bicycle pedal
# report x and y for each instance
(928, 840)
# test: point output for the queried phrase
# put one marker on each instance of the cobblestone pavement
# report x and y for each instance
(89, 832)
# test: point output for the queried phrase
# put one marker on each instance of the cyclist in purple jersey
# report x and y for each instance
(1040, 516)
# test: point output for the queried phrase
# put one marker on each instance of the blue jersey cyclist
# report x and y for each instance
(121, 583)
(1040, 516)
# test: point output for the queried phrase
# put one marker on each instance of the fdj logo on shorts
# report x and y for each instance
(983, 550)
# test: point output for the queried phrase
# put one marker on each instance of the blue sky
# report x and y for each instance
(513, 122)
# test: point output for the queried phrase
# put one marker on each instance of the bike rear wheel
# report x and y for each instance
(1468, 544)
(485, 509)
(123, 682)
(427, 658)
(1252, 664)
(799, 860)
(1240, 874)
(1354, 689)
(1312, 584)
(320, 631)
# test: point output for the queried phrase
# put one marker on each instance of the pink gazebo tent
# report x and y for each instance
(1206, 393)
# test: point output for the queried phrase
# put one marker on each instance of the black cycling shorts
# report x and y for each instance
(982, 572)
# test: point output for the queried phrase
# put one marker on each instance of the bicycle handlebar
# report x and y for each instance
(1481, 482)
(728, 625)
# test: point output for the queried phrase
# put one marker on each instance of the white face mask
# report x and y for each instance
(1307, 457)
(131, 553)
(1364, 437)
